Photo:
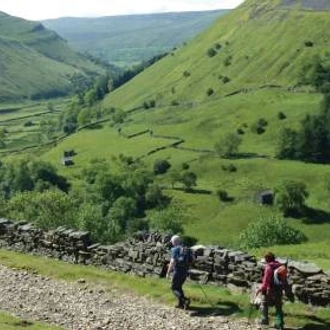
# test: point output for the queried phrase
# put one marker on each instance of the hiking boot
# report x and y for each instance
(186, 303)
(179, 305)
(263, 322)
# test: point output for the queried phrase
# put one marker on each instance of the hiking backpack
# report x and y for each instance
(185, 258)
(280, 276)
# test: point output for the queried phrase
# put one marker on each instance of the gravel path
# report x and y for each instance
(78, 306)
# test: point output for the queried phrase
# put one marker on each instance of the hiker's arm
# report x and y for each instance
(266, 281)
(170, 267)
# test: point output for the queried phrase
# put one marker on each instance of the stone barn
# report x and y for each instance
(265, 197)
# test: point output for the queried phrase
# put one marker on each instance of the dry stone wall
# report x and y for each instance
(147, 254)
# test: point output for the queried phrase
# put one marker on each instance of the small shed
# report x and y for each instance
(67, 161)
(265, 197)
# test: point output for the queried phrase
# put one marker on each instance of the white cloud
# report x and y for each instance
(42, 9)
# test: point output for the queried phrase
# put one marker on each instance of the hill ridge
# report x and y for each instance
(36, 62)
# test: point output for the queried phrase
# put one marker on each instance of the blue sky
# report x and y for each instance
(43, 9)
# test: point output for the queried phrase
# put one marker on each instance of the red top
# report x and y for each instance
(267, 280)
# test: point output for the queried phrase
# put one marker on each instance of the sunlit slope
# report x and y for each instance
(36, 62)
(260, 43)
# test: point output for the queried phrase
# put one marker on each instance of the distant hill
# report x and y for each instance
(306, 4)
(36, 63)
(125, 40)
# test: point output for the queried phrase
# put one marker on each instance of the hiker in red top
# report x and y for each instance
(271, 294)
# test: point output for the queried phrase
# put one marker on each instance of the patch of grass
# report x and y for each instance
(9, 322)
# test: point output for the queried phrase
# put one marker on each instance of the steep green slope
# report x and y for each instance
(36, 62)
(134, 38)
(260, 43)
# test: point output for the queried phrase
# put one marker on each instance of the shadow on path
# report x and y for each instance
(225, 309)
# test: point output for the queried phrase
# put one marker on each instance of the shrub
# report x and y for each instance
(223, 195)
(259, 126)
(290, 197)
(149, 104)
(281, 115)
(185, 166)
(209, 92)
(218, 46)
(309, 43)
(161, 166)
(262, 122)
(240, 131)
(211, 52)
(28, 123)
(228, 145)
(186, 73)
(168, 220)
(227, 60)
(269, 232)
(189, 180)
(259, 130)
(225, 79)
(229, 168)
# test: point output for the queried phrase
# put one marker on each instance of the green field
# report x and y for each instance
(207, 218)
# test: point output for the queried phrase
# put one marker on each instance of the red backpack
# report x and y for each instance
(280, 276)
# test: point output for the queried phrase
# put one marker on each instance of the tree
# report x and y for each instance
(84, 117)
(155, 198)
(169, 220)
(174, 176)
(108, 187)
(43, 209)
(161, 166)
(189, 180)
(45, 172)
(211, 52)
(90, 218)
(119, 116)
(228, 145)
(290, 197)
(287, 144)
(90, 97)
(50, 107)
(267, 232)
(123, 210)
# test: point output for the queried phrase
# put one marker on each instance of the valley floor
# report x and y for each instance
(80, 306)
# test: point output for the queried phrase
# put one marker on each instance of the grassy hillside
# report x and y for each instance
(261, 40)
(36, 62)
(255, 45)
(126, 40)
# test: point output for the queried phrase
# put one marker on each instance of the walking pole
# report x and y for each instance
(206, 296)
